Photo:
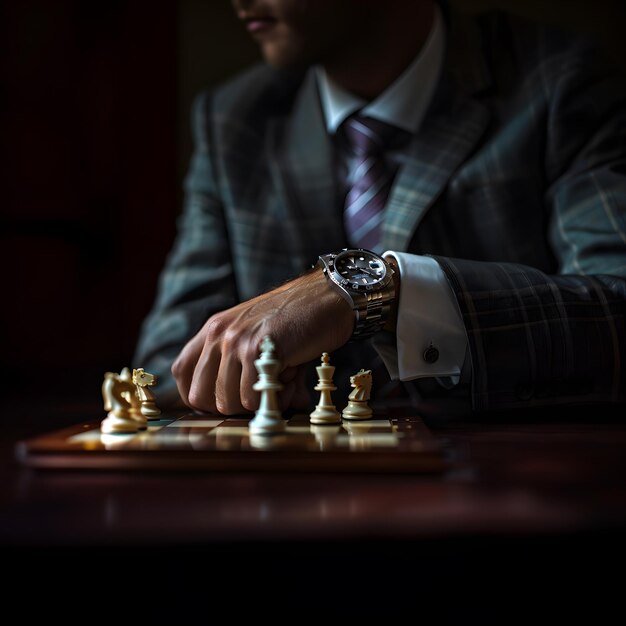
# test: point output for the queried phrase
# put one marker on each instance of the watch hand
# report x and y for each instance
(367, 271)
(375, 274)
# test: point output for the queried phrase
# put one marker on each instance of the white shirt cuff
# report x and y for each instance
(428, 316)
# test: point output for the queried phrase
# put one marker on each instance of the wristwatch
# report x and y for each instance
(366, 281)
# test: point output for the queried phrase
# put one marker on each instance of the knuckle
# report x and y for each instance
(177, 368)
(215, 326)
(231, 338)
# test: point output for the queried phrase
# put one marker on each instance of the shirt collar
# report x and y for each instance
(404, 102)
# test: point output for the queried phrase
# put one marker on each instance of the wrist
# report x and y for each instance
(320, 290)
(366, 282)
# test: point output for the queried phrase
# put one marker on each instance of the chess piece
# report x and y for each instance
(325, 412)
(358, 408)
(267, 418)
(142, 381)
(130, 394)
(122, 404)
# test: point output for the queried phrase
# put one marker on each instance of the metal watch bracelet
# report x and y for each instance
(371, 308)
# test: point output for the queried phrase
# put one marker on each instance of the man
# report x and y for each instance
(505, 227)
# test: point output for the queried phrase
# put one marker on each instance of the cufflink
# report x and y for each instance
(431, 354)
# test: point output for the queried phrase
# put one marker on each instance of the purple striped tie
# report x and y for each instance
(370, 180)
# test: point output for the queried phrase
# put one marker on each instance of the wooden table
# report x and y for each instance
(532, 511)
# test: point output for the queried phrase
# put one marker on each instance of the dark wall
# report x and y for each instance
(94, 102)
(89, 185)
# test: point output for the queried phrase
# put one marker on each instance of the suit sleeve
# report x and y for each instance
(543, 339)
(198, 278)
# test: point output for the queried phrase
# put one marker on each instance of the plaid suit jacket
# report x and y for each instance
(516, 184)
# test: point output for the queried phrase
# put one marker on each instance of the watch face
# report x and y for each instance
(360, 269)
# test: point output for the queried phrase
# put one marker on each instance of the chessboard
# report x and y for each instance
(136, 434)
(207, 442)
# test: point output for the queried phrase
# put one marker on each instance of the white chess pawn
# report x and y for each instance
(267, 418)
(325, 412)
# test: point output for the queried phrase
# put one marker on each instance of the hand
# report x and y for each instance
(215, 371)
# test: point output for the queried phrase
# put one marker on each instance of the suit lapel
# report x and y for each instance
(451, 129)
(302, 164)
(445, 139)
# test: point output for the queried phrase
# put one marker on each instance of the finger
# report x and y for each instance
(228, 386)
(183, 367)
(202, 388)
(249, 375)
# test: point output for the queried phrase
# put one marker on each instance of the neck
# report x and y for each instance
(369, 65)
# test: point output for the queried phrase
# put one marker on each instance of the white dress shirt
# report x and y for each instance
(428, 313)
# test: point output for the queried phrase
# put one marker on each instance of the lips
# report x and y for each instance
(258, 23)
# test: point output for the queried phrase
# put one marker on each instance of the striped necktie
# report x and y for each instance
(369, 179)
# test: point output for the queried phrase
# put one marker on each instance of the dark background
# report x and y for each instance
(94, 121)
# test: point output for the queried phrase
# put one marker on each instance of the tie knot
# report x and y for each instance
(367, 135)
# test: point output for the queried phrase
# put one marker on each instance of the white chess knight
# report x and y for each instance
(122, 405)
(128, 401)
(358, 408)
(268, 417)
(325, 411)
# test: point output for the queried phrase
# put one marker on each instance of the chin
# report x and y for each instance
(286, 58)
